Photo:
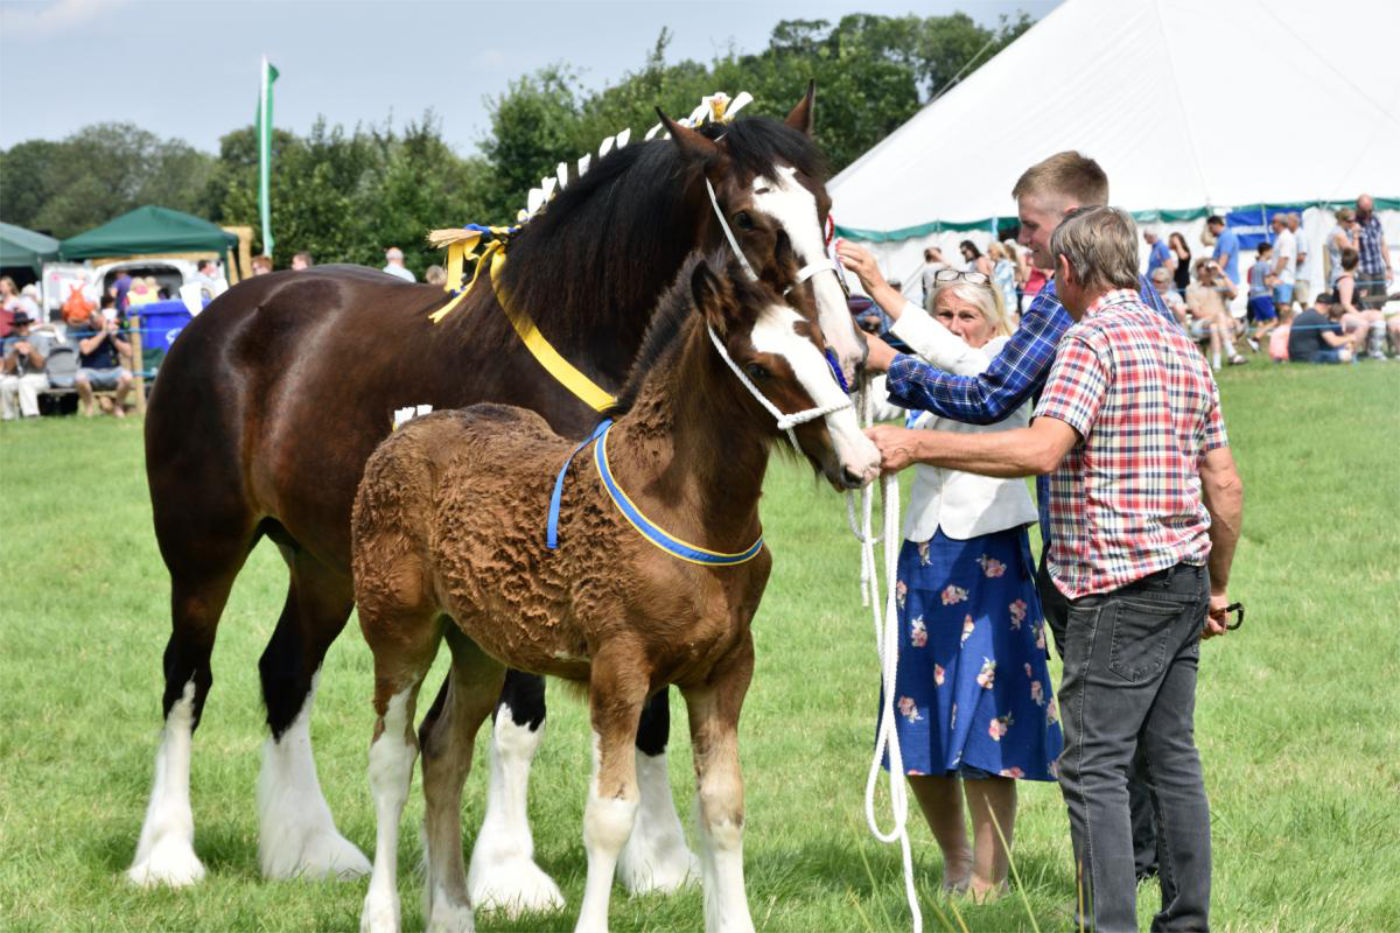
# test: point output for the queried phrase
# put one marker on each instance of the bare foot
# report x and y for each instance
(984, 893)
(118, 411)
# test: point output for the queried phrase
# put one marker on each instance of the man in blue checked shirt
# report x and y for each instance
(1044, 194)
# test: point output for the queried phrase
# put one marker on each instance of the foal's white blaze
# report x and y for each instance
(503, 873)
(656, 857)
(795, 208)
(775, 332)
(165, 854)
(391, 760)
(297, 837)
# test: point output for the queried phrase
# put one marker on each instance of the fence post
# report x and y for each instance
(138, 367)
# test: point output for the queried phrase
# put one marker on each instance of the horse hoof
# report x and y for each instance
(513, 886)
(451, 918)
(322, 855)
(170, 861)
(381, 915)
(657, 866)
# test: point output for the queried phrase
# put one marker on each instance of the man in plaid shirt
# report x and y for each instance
(1145, 507)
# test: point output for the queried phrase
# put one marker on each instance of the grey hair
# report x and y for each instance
(1101, 244)
(984, 297)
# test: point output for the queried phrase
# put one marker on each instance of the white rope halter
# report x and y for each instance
(786, 421)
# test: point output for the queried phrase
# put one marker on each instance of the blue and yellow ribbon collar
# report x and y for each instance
(647, 528)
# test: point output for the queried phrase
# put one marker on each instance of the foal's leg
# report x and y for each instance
(617, 691)
(446, 738)
(656, 857)
(297, 836)
(503, 871)
(403, 651)
(714, 729)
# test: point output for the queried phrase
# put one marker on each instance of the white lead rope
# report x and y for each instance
(885, 615)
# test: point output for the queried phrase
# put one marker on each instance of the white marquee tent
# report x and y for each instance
(1191, 106)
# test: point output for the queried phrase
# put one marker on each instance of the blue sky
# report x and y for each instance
(190, 69)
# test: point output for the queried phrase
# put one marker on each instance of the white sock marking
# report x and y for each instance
(390, 773)
(297, 836)
(165, 852)
(656, 857)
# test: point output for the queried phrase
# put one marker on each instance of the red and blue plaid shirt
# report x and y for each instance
(1126, 501)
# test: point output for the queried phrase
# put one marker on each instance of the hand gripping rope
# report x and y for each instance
(885, 615)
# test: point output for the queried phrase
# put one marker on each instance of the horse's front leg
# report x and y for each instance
(714, 730)
(618, 686)
(656, 857)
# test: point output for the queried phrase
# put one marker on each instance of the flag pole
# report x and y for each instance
(265, 155)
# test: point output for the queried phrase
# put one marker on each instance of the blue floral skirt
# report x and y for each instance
(972, 693)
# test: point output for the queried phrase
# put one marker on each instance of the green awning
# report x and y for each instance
(149, 230)
(21, 247)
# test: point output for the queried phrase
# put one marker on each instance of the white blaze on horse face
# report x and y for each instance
(775, 332)
(795, 209)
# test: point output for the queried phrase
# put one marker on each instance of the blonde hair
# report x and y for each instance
(983, 297)
(996, 251)
(1066, 174)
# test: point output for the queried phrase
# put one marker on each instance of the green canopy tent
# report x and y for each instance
(149, 230)
(21, 247)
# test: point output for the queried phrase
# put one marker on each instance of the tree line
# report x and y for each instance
(344, 195)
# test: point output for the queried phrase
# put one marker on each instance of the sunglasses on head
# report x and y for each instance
(955, 275)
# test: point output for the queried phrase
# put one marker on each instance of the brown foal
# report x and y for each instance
(449, 543)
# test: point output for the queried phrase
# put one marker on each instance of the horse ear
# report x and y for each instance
(800, 118)
(689, 142)
(710, 293)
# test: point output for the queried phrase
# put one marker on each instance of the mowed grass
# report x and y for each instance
(1298, 714)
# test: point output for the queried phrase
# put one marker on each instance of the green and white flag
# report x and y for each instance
(269, 75)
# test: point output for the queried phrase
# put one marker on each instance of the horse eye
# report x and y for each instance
(743, 220)
(756, 371)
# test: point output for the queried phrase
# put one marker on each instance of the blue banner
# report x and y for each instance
(1252, 226)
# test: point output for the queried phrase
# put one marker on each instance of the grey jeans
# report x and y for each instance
(1129, 690)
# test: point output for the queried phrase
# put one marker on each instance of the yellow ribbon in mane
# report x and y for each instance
(462, 248)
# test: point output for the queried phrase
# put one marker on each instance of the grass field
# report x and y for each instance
(1298, 713)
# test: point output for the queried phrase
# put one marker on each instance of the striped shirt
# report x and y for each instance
(1126, 500)
(1016, 374)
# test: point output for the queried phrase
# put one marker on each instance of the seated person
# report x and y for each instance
(1162, 281)
(22, 370)
(1355, 316)
(101, 349)
(1262, 312)
(1316, 335)
(1207, 307)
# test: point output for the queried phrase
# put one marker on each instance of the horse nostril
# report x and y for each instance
(851, 479)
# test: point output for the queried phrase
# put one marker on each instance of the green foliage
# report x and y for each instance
(98, 173)
(345, 196)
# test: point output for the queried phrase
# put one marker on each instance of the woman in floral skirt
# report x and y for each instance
(975, 710)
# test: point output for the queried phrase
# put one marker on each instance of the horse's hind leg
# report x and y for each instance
(446, 739)
(201, 576)
(503, 873)
(404, 644)
(297, 836)
(656, 857)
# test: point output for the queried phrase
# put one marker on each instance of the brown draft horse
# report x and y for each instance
(273, 399)
(450, 543)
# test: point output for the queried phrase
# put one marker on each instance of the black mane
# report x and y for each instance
(675, 311)
(585, 269)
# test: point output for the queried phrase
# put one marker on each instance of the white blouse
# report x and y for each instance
(964, 505)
